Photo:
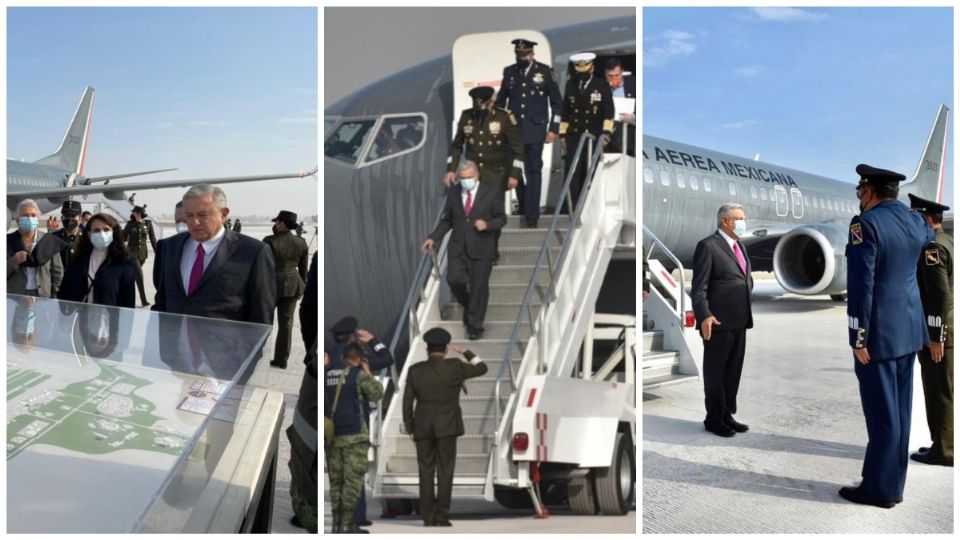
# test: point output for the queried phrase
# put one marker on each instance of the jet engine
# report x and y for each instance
(811, 260)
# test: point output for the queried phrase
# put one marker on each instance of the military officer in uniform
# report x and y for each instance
(490, 137)
(345, 388)
(290, 256)
(527, 89)
(236, 225)
(431, 416)
(587, 108)
(935, 277)
(71, 232)
(136, 231)
(886, 328)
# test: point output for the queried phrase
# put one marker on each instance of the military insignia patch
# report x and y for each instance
(932, 257)
(494, 128)
(538, 78)
(594, 97)
(468, 129)
(856, 234)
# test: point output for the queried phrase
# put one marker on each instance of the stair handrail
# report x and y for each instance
(656, 242)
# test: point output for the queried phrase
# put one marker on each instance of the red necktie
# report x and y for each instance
(740, 260)
(468, 207)
(197, 272)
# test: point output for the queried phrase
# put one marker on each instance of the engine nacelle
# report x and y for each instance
(811, 260)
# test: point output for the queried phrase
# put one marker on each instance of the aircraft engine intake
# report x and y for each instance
(811, 260)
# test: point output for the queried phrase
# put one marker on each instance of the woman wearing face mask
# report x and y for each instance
(102, 273)
(33, 266)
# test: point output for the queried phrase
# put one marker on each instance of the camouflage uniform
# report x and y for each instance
(303, 448)
(348, 457)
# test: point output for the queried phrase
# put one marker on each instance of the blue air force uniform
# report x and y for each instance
(527, 90)
(885, 316)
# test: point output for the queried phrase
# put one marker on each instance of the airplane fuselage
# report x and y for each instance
(22, 176)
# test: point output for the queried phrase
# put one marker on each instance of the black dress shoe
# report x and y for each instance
(356, 530)
(929, 458)
(365, 523)
(722, 430)
(923, 449)
(278, 364)
(474, 334)
(736, 426)
(443, 523)
(295, 521)
(854, 495)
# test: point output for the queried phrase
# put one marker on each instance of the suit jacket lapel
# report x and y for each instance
(227, 246)
(726, 247)
(175, 268)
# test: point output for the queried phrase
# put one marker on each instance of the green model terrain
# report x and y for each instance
(73, 421)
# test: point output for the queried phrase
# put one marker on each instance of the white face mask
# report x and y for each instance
(740, 227)
(101, 240)
(468, 184)
(182, 227)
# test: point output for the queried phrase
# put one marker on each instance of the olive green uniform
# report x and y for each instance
(935, 277)
(436, 423)
(290, 256)
(302, 434)
(72, 246)
(137, 233)
(493, 142)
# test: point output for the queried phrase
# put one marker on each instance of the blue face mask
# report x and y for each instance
(740, 227)
(467, 184)
(101, 240)
(28, 224)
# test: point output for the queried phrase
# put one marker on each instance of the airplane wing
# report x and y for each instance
(138, 186)
(125, 175)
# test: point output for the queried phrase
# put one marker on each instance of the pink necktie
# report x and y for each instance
(468, 207)
(197, 272)
(740, 260)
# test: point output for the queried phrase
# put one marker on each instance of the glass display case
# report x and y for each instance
(113, 413)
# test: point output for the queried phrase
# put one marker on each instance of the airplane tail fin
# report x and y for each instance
(73, 148)
(927, 182)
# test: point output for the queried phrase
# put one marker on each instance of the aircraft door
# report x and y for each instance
(479, 59)
(797, 199)
(783, 208)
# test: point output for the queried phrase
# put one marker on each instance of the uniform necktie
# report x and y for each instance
(197, 272)
(468, 206)
(740, 260)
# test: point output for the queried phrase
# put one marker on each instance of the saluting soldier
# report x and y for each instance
(530, 91)
(490, 137)
(136, 231)
(70, 233)
(587, 108)
(935, 277)
(290, 257)
(435, 422)
(886, 328)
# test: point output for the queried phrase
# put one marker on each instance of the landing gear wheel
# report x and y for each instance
(582, 496)
(838, 297)
(615, 483)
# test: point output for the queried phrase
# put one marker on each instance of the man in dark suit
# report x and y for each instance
(435, 422)
(474, 212)
(721, 302)
(622, 85)
(290, 257)
(213, 272)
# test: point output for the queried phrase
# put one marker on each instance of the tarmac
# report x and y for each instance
(799, 395)
(282, 380)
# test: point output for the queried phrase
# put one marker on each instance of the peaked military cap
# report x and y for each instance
(523, 45)
(287, 217)
(436, 339)
(874, 175)
(583, 61)
(925, 206)
(482, 93)
(71, 206)
(346, 325)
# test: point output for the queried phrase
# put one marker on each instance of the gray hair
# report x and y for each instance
(467, 165)
(726, 209)
(25, 203)
(202, 190)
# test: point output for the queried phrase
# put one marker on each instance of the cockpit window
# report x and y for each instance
(348, 140)
(397, 135)
(328, 123)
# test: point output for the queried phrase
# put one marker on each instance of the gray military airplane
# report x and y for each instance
(385, 150)
(796, 222)
(59, 176)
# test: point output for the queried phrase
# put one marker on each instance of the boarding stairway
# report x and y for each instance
(672, 349)
(542, 298)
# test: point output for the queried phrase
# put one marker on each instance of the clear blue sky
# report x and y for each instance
(815, 89)
(212, 91)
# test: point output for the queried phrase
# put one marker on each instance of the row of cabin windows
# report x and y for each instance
(761, 193)
(27, 181)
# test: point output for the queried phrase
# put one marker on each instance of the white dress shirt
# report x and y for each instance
(32, 270)
(189, 255)
(97, 256)
(730, 240)
(463, 196)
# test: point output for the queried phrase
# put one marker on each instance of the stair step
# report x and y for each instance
(468, 444)
(412, 491)
(483, 386)
(652, 341)
(517, 275)
(481, 405)
(525, 256)
(660, 364)
(502, 293)
(666, 380)
(466, 463)
(520, 222)
(491, 350)
(495, 312)
(527, 237)
(492, 330)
